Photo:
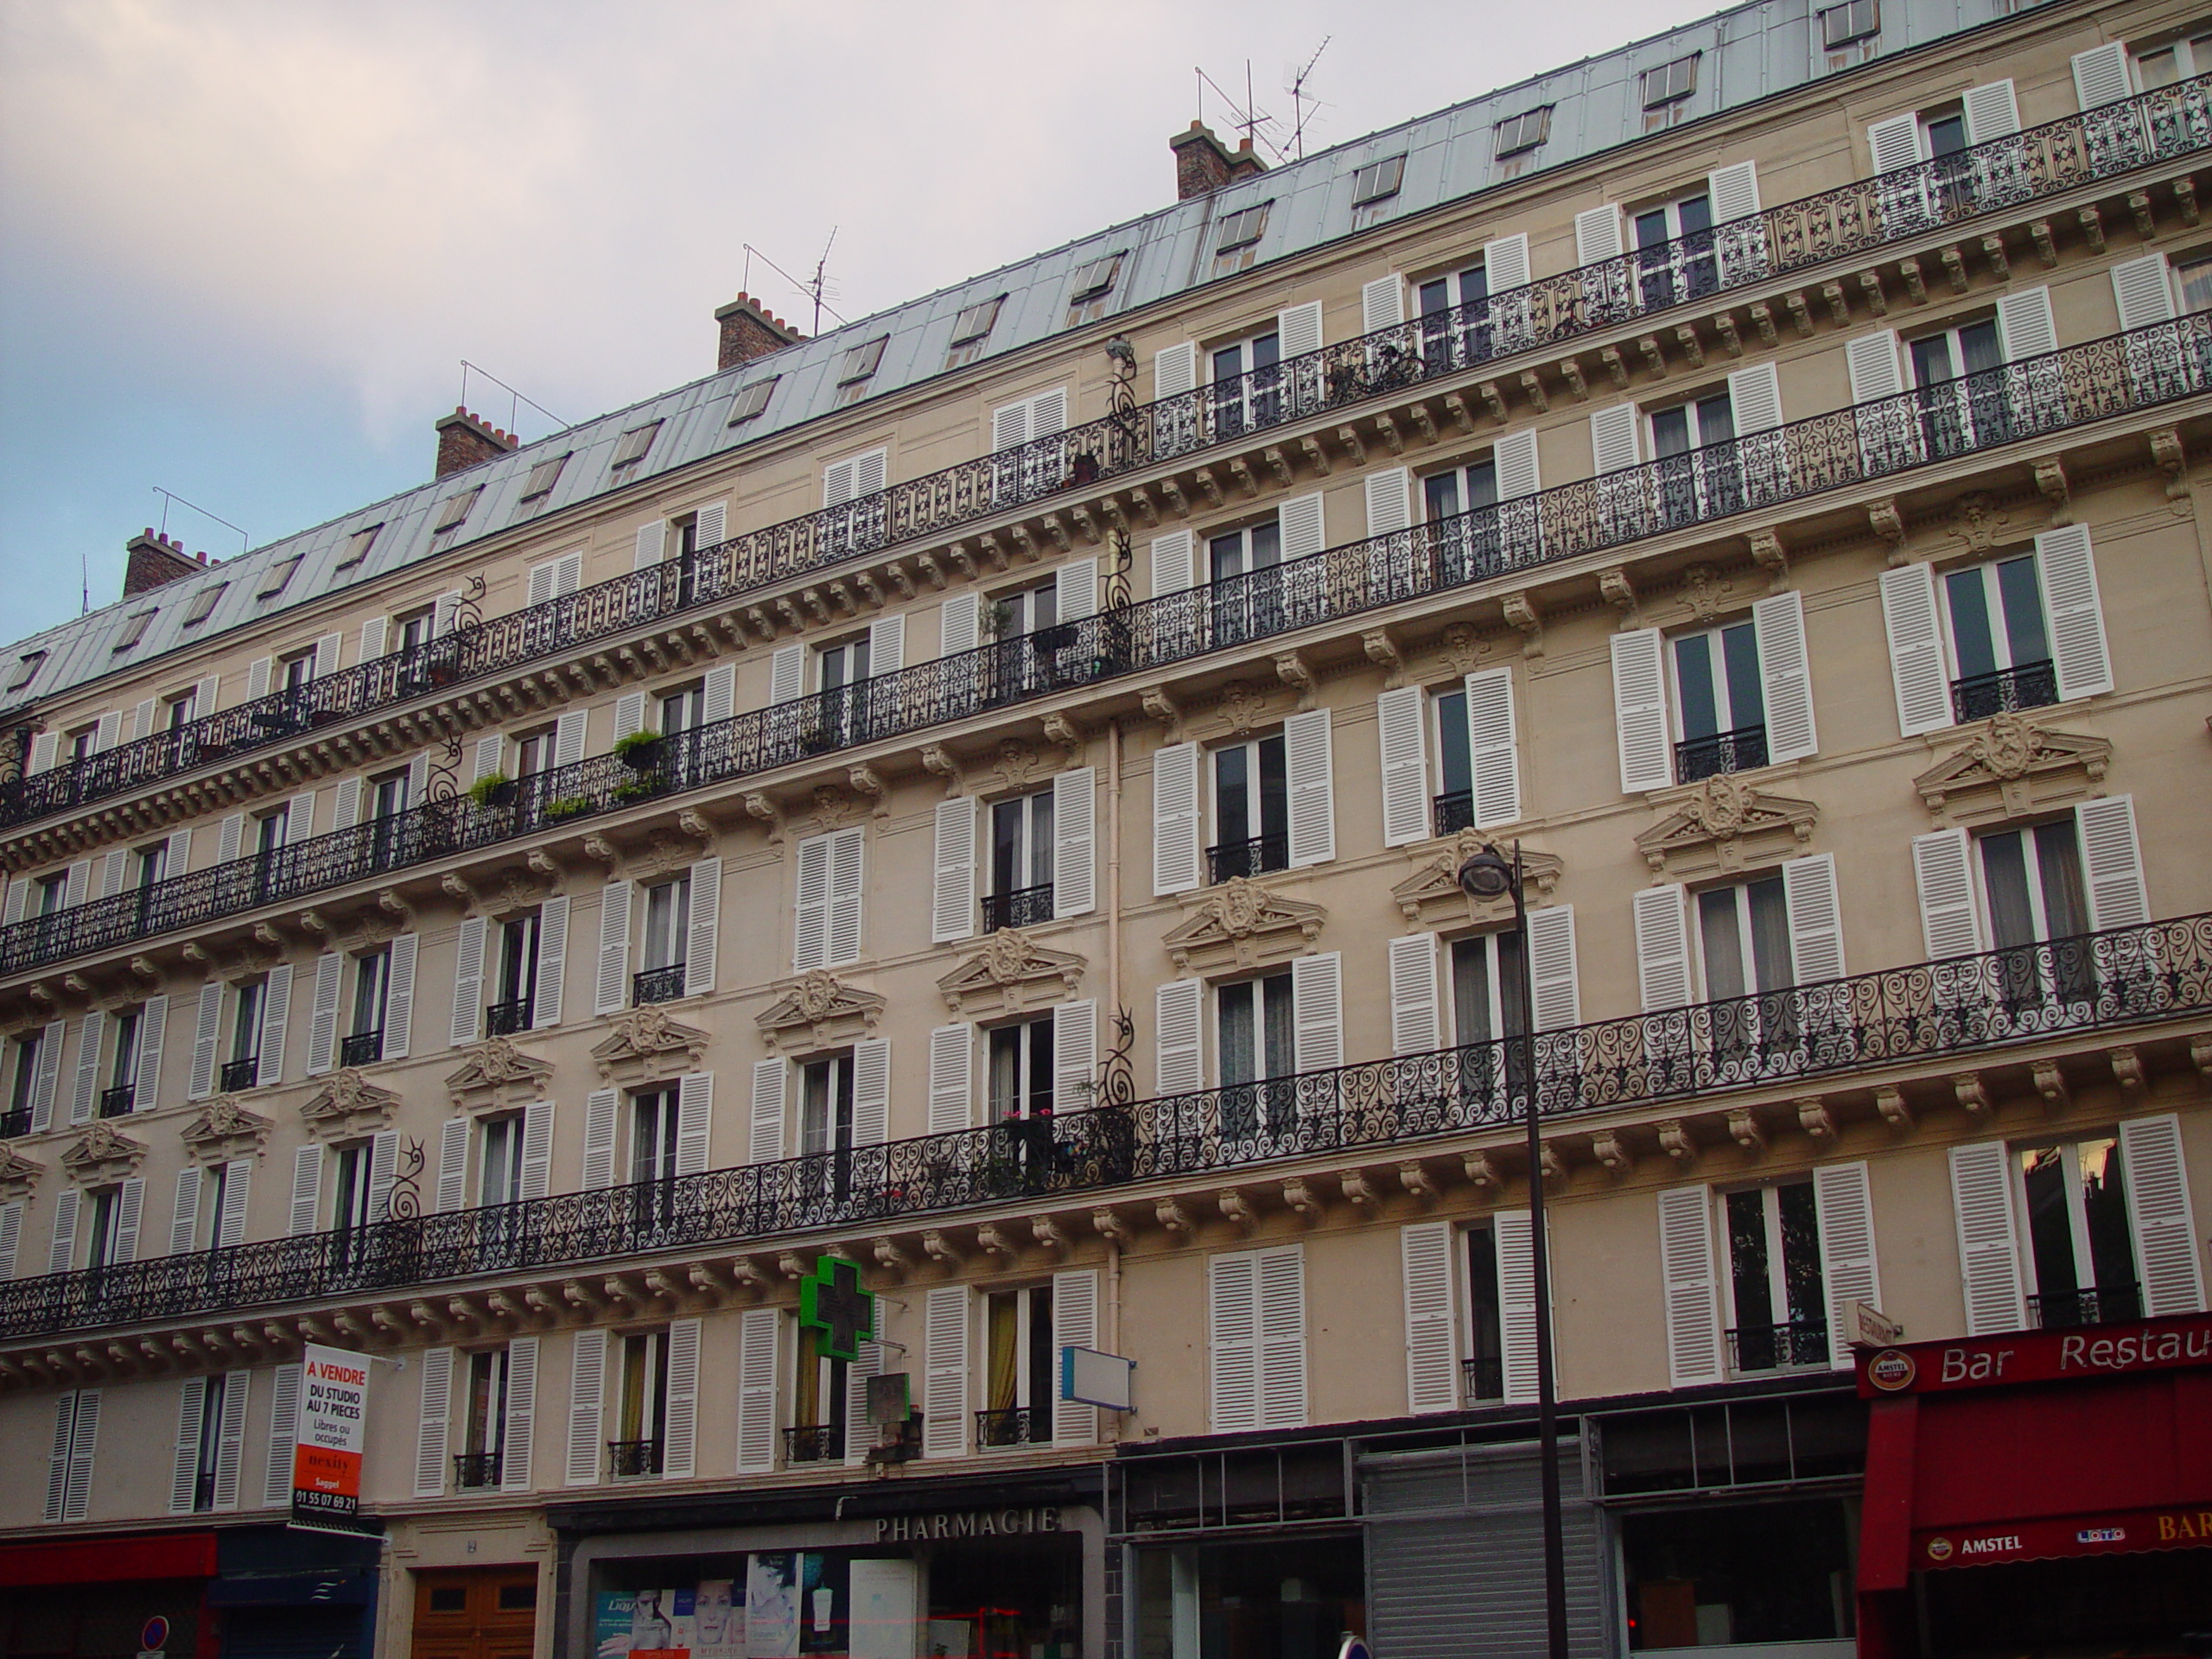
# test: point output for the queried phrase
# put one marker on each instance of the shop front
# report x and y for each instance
(2038, 1493)
(1010, 1569)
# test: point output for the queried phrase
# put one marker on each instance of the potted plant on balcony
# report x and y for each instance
(644, 785)
(640, 750)
(494, 789)
(569, 806)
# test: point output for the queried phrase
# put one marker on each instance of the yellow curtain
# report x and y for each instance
(1005, 1329)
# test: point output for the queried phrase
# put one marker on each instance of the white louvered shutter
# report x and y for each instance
(434, 1423)
(871, 1092)
(307, 1190)
(77, 887)
(630, 715)
(552, 961)
(946, 1318)
(1432, 1322)
(47, 1078)
(960, 624)
(11, 1237)
(1317, 1002)
(601, 1108)
(1075, 842)
(887, 645)
(571, 731)
(130, 1213)
(848, 881)
(383, 1157)
(445, 613)
(1640, 711)
(536, 1171)
(1516, 1304)
(323, 1014)
(2101, 75)
(237, 1186)
(765, 1131)
(1075, 1324)
(587, 1406)
(787, 674)
(184, 1476)
(176, 858)
(19, 893)
(1815, 920)
(1075, 1054)
(491, 751)
(1989, 1259)
(1876, 369)
(1894, 143)
(1557, 988)
(2067, 569)
(76, 1489)
(1399, 729)
(700, 950)
(45, 747)
(1010, 426)
(1233, 1342)
(399, 997)
(1174, 563)
(1493, 737)
(345, 806)
(207, 1040)
(758, 1329)
(522, 1414)
(61, 1250)
(1844, 1206)
(1950, 920)
(2111, 862)
(711, 527)
(107, 731)
(1786, 673)
(1991, 111)
(141, 719)
(611, 991)
(718, 694)
(91, 1037)
(111, 870)
(2156, 1179)
(375, 634)
(2025, 325)
(952, 906)
(1177, 1005)
(184, 1218)
(1389, 501)
(1917, 663)
(1075, 587)
(952, 1051)
(1382, 303)
(1692, 1288)
(1312, 787)
(453, 1164)
(1283, 1336)
(1733, 192)
(1615, 441)
(1755, 399)
(680, 1434)
(1298, 329)
(467, 981)
(1174, 370)
(1505, 262)
(1662, 949)
(1301, 522)
(1415, 1026)
(1175, 833)
(283, 1428)
(1598, 234)
(650, 547)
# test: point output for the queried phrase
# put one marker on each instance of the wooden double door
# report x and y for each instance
(487, 1612)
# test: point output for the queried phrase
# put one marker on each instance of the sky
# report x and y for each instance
(245, 247)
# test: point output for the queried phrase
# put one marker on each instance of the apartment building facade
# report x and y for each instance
(760, 957)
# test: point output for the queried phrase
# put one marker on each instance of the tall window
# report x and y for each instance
(2000, 643)
(515, 991)
(1722, 698)
(2032, 878)
(1470, 547)
(682, 710)
(23, 1083)
(363, 1043)
(499, 1179)
(1021, 1368)
(1245, 566)
(1698, 477)
(353, 1207)
(818, 1404)
(641, 1411)
(1247, 384)
(214, 1200)
(825, 1122)
(1254, 1021)
(1485, 1363)
(2083, 1258)
(387, 803)
(1777, 1303)
(1743, 938)
(1021, 1070)
(1486, 1006)
(1251, 806)
(104, 1246)
(653, 1123)
(1674, 252)
(209, 1455)
(838, 669)
(120, 1094)
(241, 1070)
(1022, 862)
(1455, 319)
(484, 1420)
(1961, 390)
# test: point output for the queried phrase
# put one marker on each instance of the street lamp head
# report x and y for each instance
(1121, 354)
(1487, 874)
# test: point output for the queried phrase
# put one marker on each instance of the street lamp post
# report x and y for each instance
(1487, 874)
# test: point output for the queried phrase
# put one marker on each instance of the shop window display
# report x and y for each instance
(1718, 1576)
(1286, 1599)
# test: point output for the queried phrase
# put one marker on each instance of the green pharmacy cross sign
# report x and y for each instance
(832, 1301)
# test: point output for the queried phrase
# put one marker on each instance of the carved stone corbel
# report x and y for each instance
(459, 890)
(2173, 458)
(1173, 1216)
(1521, 614)
(889, 1255)
(940, 761)
(1613, 1154)
(761, 807)
(599, 851)
(1382, 650)
(1743, 1129)
(1162, 707)
(1482, 1171)
(1049, 1236)
(1301, 1200)
(2127, 1070)
(2050, 1083)
(1895, 1110)
(1675, 1141)
(1768, 554)
(1414, 1176)
(2051, 478)
(1236, 1208)
(1293, 669)
(992, 1242)
(868, 784)
(1886, 519)
(1972, 1094)
(938, 1248)
(1062, 732)
(1813, 1117)
(1109, 1226)
(1619, 593)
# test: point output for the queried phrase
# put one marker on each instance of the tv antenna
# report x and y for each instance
(1298, 77)
(817, 288)
(515, 400)
(1249, 118)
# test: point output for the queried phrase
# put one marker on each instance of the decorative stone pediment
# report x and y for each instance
(818, 1010)
(348, 1104)
(1723, 826)
(18, 1174)
(1010, 972)
(1432, 896)
(1242, 923)
(103, 1155)
(645, 1046)
(2010, 767)
(226, 1130)
(498, 1076)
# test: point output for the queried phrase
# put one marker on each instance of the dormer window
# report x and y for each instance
(1243, 228)
(455, 514)
(750, 401)
(631, 449)
(27, 668)
(1524, 131)
(861, 360)
(1855, 20)
(1670, 82)
(542, 477)
(1377, 180)
(278, 578)
(133, 629)
(1095, 279)
(975, 322)
(358, 545)
(203, 602)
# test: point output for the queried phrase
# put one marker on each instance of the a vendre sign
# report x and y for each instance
(327, 1449)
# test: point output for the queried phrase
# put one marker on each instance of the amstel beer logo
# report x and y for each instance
(1892, 1369)
(1939, 1549)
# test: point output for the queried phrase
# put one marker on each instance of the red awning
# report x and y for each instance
(109, 1561)
(2035, 1445)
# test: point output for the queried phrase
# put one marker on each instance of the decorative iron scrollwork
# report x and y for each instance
(1117, 1081)
(467, 614)
(443, 785)
(405, 1202)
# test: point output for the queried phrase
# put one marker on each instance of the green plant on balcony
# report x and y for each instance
(639, 751)
(642, 787)
(569, 806)
(493, 788)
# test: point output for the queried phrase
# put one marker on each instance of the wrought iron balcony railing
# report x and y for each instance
(1452, 812)
(1932, 1011)
(1483, 1377)
(14, 1123)
(362, 1048)
(2032, 685)
(1740, 750)
(657, 985)
(115, 1101)
(2058, 1310)
(627, 1459)
(1015, 1425)
(1253, 857)
(2120, 374)
(814, 1443)
(1778, 1347)
(238, 1076)
(1023, 907)
(472, 1470)
(2001, 175)
(506, 1019)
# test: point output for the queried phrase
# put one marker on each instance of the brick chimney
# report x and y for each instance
(750, 330)
(1204, 163)
(156, 561)
(464, 440)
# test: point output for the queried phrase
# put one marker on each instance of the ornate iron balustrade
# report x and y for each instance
(16, 1123)
(1452, 812)
(1935, 1011)
(814, 1443)
(2032, 685)
(1778, 1347)
(1253, 857)
(1741, 750)
(237, 1076)
(1015, 1425)
(2059, 1310)
(115, 1101)
(472, 1470)
(629, 1458)
(2120, 374)
(362, 1048)
(657, 985)
(1483, 1377)
(506, 1019)
(2000, 176)
(1023, 907)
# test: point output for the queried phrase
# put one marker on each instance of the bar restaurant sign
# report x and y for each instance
(326, 1449)
(2084, 1352)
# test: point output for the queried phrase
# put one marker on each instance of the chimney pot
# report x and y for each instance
(465, 442)
(153, 562)
(750, 331)
(1204, 163)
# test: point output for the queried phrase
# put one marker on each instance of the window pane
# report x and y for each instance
(1771, 964)
(2050, 1233)
(1720, 934)
(1040, 839)
(1231, 795)
(1670, 432)
(1756, 1573)
(1693, 677)
(2021, 598)
(1931, 360)
(2005, 873)
(1275, 788)
(1443, 492)
(1484, 1332)
(1470, 998)
(1275, 1005)
(1455, 771)
(1739, 646)
(1978, 345)
(1239, 1048)
(2104, 1208)
(1716, 420)
(2058, 859)
(1800, 1253)
(1947, 135)
(1482, 485)
(1747, 1260)
(1971, 641)
(1694, 215)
